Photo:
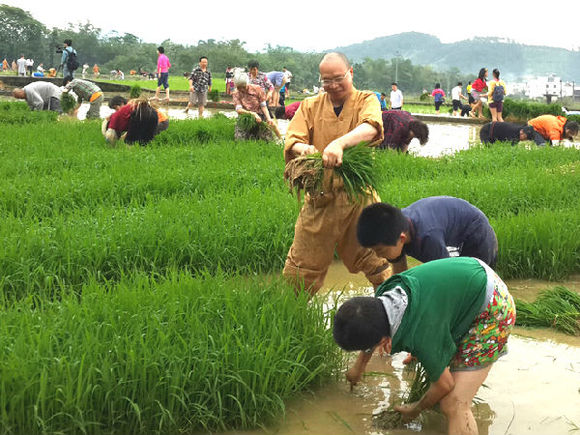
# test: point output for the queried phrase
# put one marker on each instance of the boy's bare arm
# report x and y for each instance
(437, 391)
(354, 374)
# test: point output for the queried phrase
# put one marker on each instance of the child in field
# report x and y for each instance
(438, 95)
(454, 314)
(425, 230)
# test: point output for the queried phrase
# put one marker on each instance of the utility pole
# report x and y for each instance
(397, 54)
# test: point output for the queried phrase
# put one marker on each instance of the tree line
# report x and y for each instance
(20, 33)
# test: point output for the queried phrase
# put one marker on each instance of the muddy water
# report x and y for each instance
(534, 389)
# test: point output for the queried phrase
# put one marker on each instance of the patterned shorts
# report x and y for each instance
(487, 338)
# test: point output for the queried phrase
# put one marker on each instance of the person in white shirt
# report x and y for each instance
(396, 98)
(456, 97)
(21, 66)
(288, 76)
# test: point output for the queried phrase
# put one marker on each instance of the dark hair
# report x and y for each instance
(67, 42)
(142, 124)
(117, 100)
(360, 323)
(495, 73)
(572, 126)
(160, 49)
(481, 74)
(253, 64)
(437, 85)
(420, 131)
(460, 84)
(528, 131)
(380, 223)
(280, 112)
(66, 80)
(202, 57)
(383, 94)
(394, 83)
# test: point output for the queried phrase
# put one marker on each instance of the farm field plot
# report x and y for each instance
(140, 289)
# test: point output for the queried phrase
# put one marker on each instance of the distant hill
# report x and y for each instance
(513, 60)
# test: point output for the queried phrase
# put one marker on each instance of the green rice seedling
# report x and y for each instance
(357, 172)
(19, 113)
(248, 123)
(390, 419)
(67, 102)
(174, 355)
(557, 308)
(135, 91)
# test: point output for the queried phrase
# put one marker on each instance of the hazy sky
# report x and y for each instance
(316, 25)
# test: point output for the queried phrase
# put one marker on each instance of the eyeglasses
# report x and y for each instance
(335, 81)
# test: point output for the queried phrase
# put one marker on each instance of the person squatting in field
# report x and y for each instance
(328, 123)
(455, 315)
(134, 121)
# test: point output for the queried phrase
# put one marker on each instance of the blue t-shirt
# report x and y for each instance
(439, 222)
(383, 103)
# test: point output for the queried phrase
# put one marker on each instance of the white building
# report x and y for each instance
(539, 87)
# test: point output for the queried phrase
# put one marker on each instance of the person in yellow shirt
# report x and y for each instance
(496, 90)
(328, 123)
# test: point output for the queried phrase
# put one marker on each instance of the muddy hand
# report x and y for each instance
(408, 412)
(353, 376)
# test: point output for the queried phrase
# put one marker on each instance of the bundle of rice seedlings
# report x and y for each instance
(135, 91)
(67, 102)
(357, 171)
(558, 308)
(390, 419)
(249, 124)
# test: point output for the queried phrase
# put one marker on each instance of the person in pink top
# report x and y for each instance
(163, 66)
(439, 97)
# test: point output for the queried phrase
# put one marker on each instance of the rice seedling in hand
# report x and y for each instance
(357, 172)
(67, 102)
(248, 123)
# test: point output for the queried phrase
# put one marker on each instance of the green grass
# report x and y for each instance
(176, 355)
(176, 83)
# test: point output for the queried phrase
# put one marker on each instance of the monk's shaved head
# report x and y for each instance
(334, 56)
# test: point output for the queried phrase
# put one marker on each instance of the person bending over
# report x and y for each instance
(454, 314)
(509, 132)
(554, 128)
(426, 229)
(133, 121)
(400, 127)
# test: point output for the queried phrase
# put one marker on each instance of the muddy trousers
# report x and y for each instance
(328, 222)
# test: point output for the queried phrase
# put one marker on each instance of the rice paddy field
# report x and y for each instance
(140, 288)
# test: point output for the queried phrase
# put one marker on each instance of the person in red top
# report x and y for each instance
(477, 88)
(287, 112)
(554, 128)
(134, 121)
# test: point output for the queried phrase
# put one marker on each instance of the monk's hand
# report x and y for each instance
(257, 117)
(409, 411)
(332, 155)
(307, 150)
(353, 376)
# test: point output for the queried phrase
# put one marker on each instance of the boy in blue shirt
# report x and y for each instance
(425, 230)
